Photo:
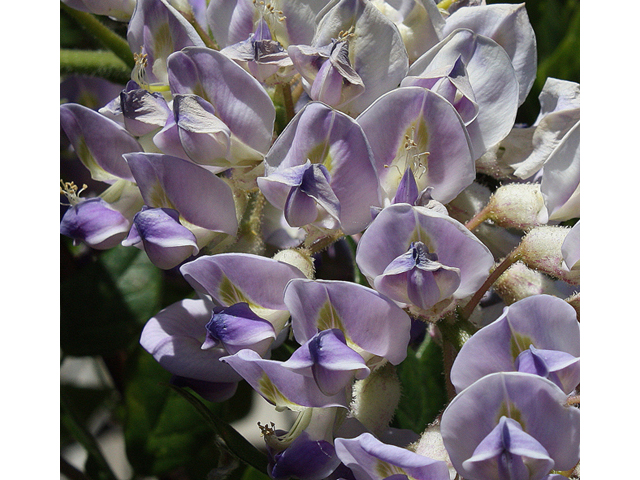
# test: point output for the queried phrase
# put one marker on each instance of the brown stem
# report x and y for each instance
(499, 270)
(478, 218)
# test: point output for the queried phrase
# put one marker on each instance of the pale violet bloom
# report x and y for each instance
(290, 21)
(370, 459)
(205, 208)
(220, 106)
(426, 136)
(374, 326)
(262, 56)
(231, 278)
(99, 142)
(511, 422)
(281, 386)
(538, 334)
(139, 111)
(420, 257)
(327, 72)
(420, 23)
(508, 25)
(526, 149)
(193, 132)
(156, 30)
(174, 336)
(320, 172)
(461, 60)
(376, 52)
(159, 232)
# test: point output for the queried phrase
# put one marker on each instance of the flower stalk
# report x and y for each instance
(103, 34)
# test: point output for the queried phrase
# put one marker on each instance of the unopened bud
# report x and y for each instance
(376, 398)
(431, 445)
(299, 258)
(541, 249)
(520, 281)
(518, 205)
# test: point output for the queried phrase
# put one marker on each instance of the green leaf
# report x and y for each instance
(234, 442)
(105, 303)
(162, 432)
(423, 387)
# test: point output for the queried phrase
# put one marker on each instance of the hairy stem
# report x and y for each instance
(95, 63)
(103, 34)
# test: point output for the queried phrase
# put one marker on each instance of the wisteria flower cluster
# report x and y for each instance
(254, 137)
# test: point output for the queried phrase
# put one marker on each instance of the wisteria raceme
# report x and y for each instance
(372, 243)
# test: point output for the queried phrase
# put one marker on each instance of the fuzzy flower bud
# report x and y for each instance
(299, 258)
(518, 205)
(376, 398)
(519, 281)
(541, 249)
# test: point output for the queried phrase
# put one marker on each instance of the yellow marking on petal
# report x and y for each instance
(510, 411)
(519, 343)
(230, 294)
(384, 469)
(419, 235)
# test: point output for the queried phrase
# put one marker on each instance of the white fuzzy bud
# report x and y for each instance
(431, 445)
(541, 249)
(376, 398)
(299, 258)
(519, 281)
(518, 205)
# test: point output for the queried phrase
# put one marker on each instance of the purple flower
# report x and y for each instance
(375, 49)
(509, 26)
(419, 257)
(511, 422)
(95, 223)
(427, 137)
(477, 68)
(230, 94)
(538, 334)
(156, 30)
(370, 459)
(261, 55)
(320, 171)
(231, 278)
(160, 234)
(174, 337)
(237, 327)
(99, 142)
(203, 203)
(372, 325)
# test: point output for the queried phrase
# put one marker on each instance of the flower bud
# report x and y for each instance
(541, 249)
(376, 398)
(518, 205)
(299, 258)
(431, 445)
(519, 281)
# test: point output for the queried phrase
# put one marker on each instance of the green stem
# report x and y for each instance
(95, 63)
(103, 34)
